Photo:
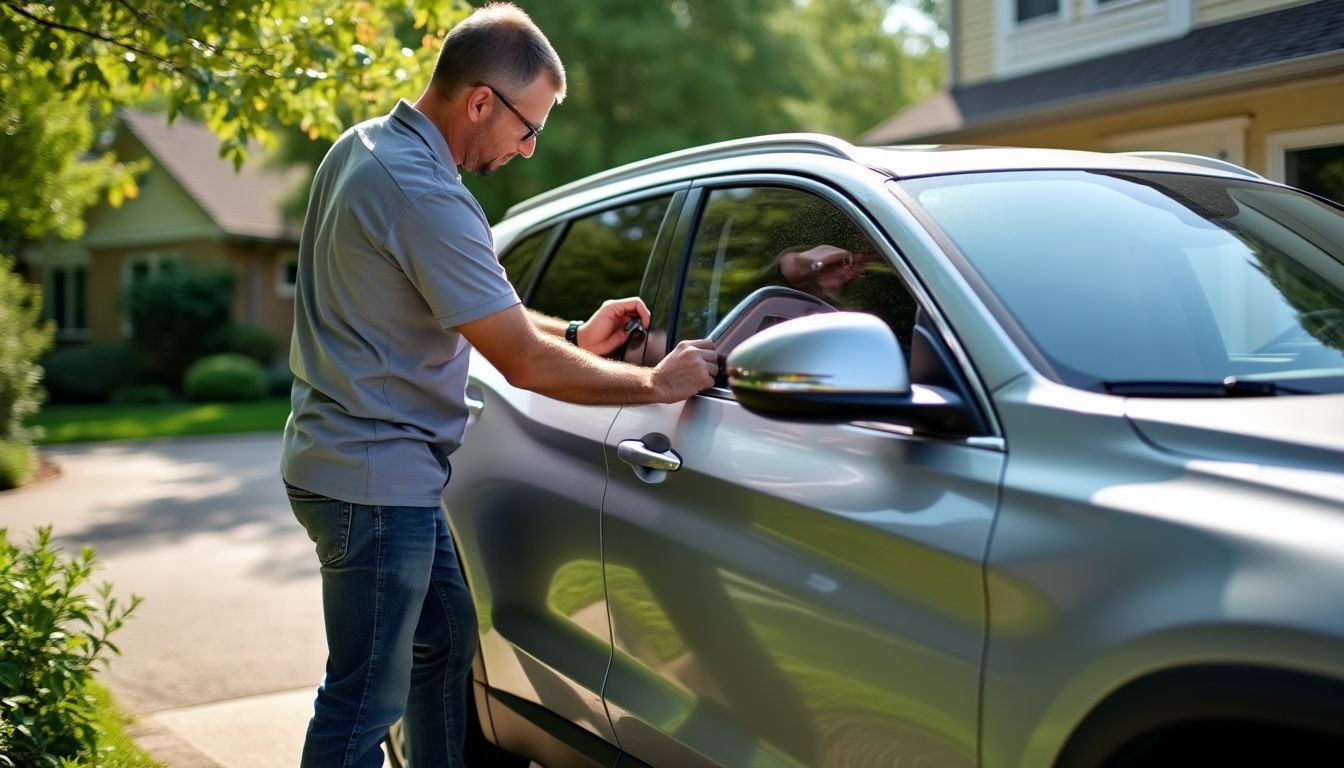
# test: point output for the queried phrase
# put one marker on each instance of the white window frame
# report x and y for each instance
(64, 330)
(1094, 7)
(283, 287)
(1280, 143)
(1082, 31)
(1063, 14)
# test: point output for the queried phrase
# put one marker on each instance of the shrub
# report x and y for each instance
(177, 318)
(146, 394)
(18, 462)
(256, 343)
(89, 373)
(23, 339)
(225, 377)
(52, 640)
(279, 380)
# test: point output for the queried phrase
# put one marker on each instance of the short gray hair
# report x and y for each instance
(497, 44)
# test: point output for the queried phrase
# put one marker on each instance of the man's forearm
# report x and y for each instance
(547, 324)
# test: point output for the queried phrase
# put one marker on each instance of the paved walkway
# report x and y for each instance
(221, 660)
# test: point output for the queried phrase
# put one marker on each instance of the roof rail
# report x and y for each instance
(815, 143)
(1204, 161)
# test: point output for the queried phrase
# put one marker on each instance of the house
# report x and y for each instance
(1257, 82)
(193, 209)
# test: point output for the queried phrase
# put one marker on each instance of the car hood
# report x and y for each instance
(1305, 432)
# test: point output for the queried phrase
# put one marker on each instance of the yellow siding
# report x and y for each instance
(1282, 107)
(1217, 11)
(975, 41)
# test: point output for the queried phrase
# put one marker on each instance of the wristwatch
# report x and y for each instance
(572, 332)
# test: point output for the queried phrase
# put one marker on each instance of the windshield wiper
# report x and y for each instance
(1228, 387)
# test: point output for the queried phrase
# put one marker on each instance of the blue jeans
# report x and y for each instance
(401, 633)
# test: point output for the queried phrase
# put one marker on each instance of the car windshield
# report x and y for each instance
(1151, 283)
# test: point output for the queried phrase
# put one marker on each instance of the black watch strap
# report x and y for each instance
(572, 332)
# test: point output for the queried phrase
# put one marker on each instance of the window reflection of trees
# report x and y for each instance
(736, 249)
(601, 257)
(522, 261)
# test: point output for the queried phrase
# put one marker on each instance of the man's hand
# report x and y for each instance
(688, 369)
(605, 331)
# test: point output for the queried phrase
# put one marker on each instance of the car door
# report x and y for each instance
(527, 485)
(793, 594)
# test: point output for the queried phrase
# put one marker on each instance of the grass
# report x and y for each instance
(117, 748)
(80, 423)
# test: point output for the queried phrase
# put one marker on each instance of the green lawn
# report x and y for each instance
(78, 423)
(117, 748)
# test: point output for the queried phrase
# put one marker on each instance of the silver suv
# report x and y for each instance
(1019, 458)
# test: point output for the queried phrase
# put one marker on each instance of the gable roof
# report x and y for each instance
(246, 204)
(1300, 39)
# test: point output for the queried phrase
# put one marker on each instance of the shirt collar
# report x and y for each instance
(428, 133)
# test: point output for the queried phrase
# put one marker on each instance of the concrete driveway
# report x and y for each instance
(221, 660)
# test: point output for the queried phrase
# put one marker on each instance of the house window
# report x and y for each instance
(287, 275)
(1035, 9)
(1310, 159)
(66, 299)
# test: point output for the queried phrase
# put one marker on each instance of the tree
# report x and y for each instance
(23, 339)
(247, 67)
(859, 72)
(651, 77)
(660, 75)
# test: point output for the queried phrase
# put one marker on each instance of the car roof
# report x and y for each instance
(898, 162)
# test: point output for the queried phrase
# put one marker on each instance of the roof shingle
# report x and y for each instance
(244, 204)
(1293, 33)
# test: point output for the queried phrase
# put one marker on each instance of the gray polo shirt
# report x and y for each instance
(395, 254)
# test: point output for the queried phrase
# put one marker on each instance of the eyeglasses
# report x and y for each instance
(532, 130)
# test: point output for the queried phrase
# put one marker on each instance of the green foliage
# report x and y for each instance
(23, 339)
(246, 66)
(279, 381)
(857, 73)
(89, 373)
(147, 394)
(53, 637)
(256, 343)
(226, 377)
(176, 318)
(78, 423)
(48, 181)
(18, 462)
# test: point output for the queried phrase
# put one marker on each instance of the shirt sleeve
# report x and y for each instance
(445, 248)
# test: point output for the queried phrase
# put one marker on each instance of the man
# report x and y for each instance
(397, 274)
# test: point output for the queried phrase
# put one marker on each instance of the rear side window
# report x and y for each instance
(602, 256)
(522, 260)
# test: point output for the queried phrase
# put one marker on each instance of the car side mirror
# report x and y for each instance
(838, 367)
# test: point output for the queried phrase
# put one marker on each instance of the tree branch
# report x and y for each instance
(13, 5)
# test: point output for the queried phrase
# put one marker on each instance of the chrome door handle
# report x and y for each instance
(474, 405)
(636, 453)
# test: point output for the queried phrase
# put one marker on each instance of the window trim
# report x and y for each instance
(698, 198)
(1280, 143)
(66, 332)
(283, 288)
(560, 226)
(1081, 33)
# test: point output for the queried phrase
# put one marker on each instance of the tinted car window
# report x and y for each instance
(602, 257)
(522, 260)
(1146, 283)
(752, 237)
